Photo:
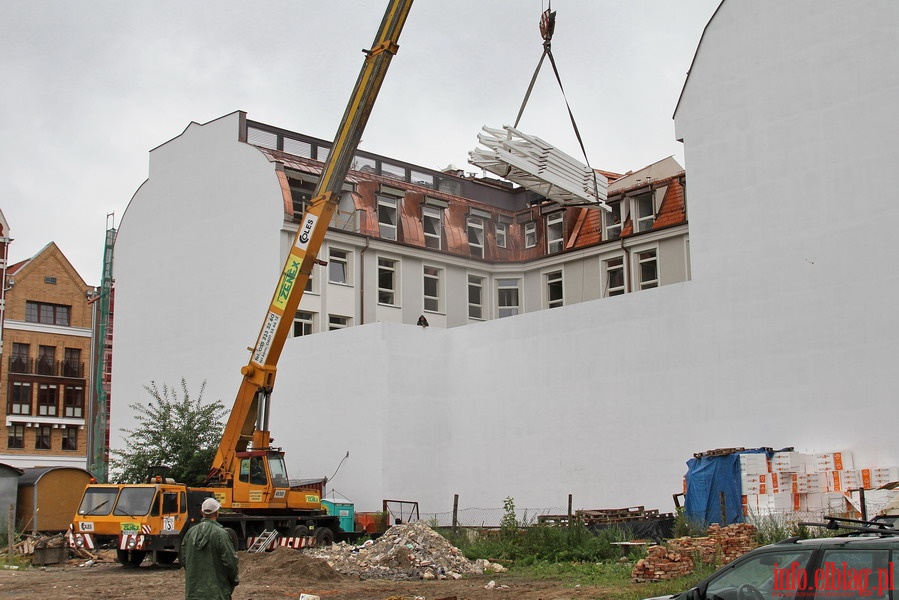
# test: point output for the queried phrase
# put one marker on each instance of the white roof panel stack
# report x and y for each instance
(538, 166)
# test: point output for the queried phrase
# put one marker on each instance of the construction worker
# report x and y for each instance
(208, 557)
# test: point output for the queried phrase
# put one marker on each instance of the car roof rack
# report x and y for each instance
(855, 526)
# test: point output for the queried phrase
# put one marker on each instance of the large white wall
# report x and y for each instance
(197, 255)
(786, 336)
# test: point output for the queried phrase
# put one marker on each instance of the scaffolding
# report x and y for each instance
(98, 451)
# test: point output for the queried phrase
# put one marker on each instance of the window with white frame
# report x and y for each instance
(338, 322)
(645, 212)
(475, 297)
(387, 280)
(530, 234)
(308, 287)
(554, 289)
(614, 276)
(501, 232)
(302, 323)
(432, 223)
(433, 282)
(554, 238)
(476, 236)
(387, 217)
(648, 269)
(611, 222)
(338, 266)
(507, 297)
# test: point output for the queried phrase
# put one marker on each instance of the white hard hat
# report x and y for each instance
(210, 505)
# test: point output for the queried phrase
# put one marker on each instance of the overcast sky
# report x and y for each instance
(88, 88)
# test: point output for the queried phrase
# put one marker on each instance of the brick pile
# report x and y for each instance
(734, 540)
(706, 549)
(661, 564)
(722, 544)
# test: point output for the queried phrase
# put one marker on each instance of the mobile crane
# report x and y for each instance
(248, 475)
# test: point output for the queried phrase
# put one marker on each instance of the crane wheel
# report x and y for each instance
(130, 558)
(323, 536)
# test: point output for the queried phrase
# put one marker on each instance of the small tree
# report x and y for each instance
(180, 433)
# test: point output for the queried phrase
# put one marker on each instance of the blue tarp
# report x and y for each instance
(707, 478)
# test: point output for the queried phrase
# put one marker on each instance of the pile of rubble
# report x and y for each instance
(723, 544)
(408, 551)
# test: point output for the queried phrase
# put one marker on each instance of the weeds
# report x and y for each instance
(773, 528)
(684, 526)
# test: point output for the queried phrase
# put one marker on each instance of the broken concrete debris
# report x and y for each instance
(407, 551)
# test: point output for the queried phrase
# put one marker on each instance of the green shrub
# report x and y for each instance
(684, 526)
(541, 543)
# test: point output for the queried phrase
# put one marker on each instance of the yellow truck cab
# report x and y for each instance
(136, 519)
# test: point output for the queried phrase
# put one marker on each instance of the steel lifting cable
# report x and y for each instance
(547, 28)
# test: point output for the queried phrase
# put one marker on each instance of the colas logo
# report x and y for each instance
(306, 232)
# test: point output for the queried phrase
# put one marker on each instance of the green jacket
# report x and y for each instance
(210, 562)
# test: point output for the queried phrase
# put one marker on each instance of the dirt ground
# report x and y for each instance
(284, 573)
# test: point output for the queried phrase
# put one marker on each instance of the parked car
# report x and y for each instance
(858, 564)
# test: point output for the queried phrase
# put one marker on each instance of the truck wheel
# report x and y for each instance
(130, 558)
(299, 531)
(323, 536)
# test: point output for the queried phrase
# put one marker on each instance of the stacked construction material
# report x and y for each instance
(661, 564)
(620, 515)
(722, 544)
(538, 166)
(794, 481)
(676, 558)
(606, 516)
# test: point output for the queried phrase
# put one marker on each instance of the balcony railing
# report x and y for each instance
(46, 367)
(71, 368)
(40, 366)
(18, 364)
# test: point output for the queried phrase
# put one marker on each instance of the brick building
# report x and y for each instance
(46, 373)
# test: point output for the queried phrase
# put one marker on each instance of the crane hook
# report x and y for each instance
(547, 25)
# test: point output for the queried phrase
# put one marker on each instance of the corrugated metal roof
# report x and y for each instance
(31, 476)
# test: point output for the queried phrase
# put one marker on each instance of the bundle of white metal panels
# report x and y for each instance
(538, 166)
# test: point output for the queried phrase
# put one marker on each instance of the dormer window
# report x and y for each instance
(501, 233)
(611, 222)
(530, 234)
(644, 212)
(476, 236)
(432, 224)
(387, 217)
(554, 237)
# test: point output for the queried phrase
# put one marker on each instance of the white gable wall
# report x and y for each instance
(197, 256)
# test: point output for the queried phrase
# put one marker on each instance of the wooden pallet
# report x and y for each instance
(607, 515)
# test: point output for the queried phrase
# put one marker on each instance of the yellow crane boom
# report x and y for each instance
(247, 424)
